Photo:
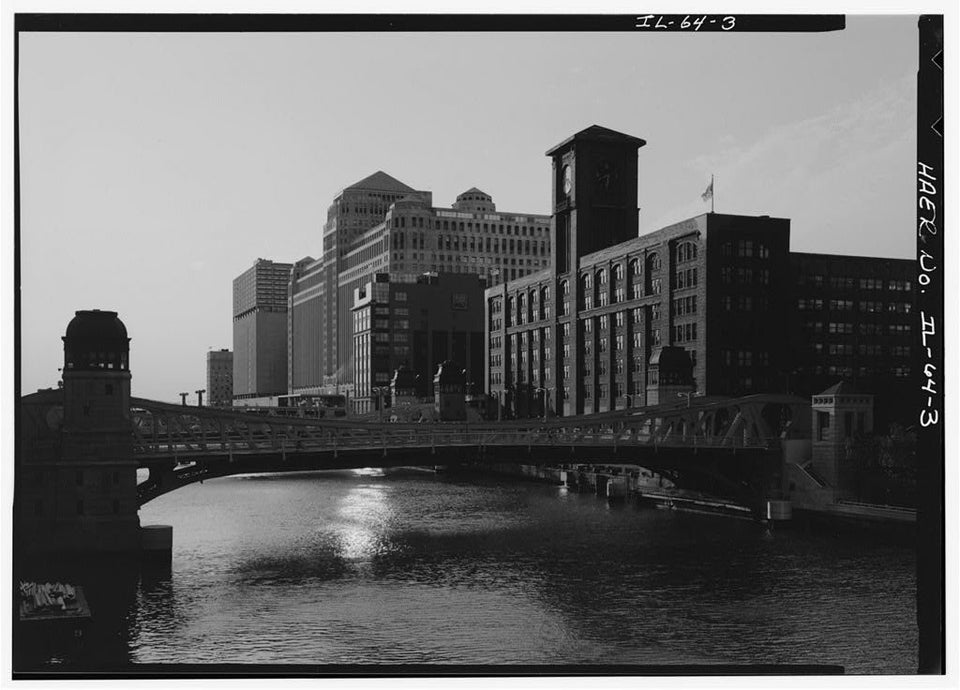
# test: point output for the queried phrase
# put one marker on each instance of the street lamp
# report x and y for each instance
(691, 394)
(630, 397)
(200, 396)
(544, 391)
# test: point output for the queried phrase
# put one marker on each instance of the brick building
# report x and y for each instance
(578, 337)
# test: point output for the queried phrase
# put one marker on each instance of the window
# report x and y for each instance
(823, 424)
(686, 251)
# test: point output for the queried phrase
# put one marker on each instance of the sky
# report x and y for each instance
(155, 168)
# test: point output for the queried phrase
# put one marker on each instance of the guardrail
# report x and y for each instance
(282, 444)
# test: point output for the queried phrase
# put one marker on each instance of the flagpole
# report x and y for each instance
(713, 192)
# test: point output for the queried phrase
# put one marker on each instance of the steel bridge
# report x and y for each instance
(736, 442)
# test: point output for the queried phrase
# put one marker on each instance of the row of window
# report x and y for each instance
(745, 303)
(849, 283)
(746, 249)
(400, 221)
(685, 278)
(870, 350)
(846, 371)
(684, 332)
(744, 276)
(867, 307)
(745, 358)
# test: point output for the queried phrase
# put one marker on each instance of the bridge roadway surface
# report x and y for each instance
(734, 442)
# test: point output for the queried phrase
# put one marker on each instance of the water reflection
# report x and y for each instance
(367, 567)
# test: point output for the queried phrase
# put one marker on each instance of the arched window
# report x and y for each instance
(603, 291)
(586, 291)
(618, 271)
(652, 283)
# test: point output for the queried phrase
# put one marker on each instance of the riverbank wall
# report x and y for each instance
(635, 483)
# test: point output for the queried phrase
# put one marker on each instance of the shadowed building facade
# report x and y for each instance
(415, 327)
(76, 474)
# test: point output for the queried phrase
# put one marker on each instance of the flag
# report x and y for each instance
(708, 192)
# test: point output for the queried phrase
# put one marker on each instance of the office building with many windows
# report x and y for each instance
(382, 226)
(579, 336)
(220, 378)
(260, 331)
(418, 326)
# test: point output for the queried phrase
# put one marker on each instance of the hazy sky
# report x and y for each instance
(157, 167)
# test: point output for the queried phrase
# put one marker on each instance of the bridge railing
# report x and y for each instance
(165, 430)
(432, 439)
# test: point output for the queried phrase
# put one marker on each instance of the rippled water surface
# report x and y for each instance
(361, 567)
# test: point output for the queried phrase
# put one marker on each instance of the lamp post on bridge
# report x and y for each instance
(200, 396)
(183, 398)
(691, 394)
(630, 398)
(544, 392)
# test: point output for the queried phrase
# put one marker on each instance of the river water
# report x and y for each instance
(362, 567)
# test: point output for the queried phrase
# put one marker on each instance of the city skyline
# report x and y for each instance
(187, 156)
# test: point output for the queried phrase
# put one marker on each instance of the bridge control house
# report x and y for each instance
(580, 336)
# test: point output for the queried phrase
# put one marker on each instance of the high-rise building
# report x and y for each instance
(260, 331)
(380, 225)
(417, 326)
(220, 378)
(579, 336)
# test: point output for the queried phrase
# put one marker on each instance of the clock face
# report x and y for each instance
(606, 175)
(567, 180)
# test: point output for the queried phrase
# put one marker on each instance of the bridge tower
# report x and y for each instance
(93, 491)
(840, 413)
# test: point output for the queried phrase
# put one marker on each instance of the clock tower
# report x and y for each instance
(594, 194)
